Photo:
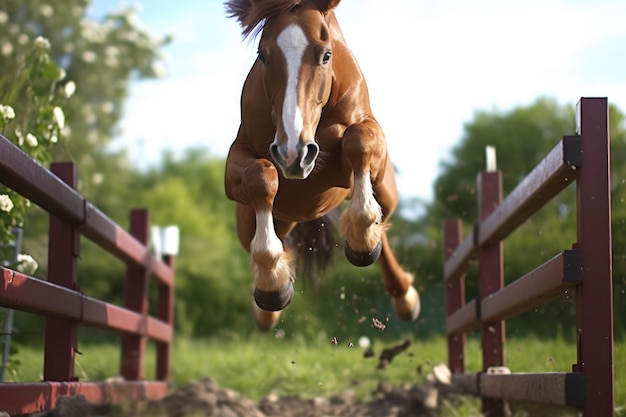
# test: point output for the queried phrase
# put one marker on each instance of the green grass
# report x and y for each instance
(262, 364)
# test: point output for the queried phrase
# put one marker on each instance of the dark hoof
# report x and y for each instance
(363, 258)
(274, 300)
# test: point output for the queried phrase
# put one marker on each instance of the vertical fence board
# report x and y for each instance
(63, 250)
(594, 297)
(136, 299)
(165, 313)
(491, 272)
(455, 297)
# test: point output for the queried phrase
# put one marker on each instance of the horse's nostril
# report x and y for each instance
(276, 153)
(310, 153)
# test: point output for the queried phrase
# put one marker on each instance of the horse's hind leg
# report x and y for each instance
(272, 266)
(398, 282)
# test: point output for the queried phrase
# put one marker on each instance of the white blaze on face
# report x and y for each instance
(292, 42)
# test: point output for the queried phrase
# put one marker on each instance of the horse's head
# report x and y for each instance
(295, 54)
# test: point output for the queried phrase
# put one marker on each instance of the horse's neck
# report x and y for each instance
(347, 73)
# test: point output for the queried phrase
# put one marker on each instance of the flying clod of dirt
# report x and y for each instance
(387, 355)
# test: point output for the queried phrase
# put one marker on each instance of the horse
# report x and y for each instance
(307, 142)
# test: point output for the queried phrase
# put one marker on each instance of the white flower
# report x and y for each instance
(42, 42)
(97, 178)
(20, 137)
(7, 112)
(54, 139)
(3, 17)
(6, 204)
(26, 264)
(107, 107)
(69, 89)
(58, 116)
(31, 140)
(89, 56)
(6, 49)
(46, 10)
(22, 39)
(158, 69)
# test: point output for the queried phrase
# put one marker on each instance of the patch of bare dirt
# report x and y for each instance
(206, 398)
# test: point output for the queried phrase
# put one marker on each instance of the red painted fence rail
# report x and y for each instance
(65, 308)
(585, 269)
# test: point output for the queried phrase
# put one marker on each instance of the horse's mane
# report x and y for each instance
(251, 14)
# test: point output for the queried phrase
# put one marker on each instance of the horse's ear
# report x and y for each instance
(326, 6)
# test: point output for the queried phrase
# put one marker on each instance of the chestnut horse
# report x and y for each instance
(308, 141)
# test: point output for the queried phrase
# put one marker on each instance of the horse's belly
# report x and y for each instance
(299, 207)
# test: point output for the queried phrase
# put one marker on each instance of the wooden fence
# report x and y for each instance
(584, 270)
(65, 308)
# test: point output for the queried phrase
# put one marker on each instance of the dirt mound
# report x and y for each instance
(206, 398)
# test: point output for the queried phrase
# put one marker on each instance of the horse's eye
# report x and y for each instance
(326, 57)
(261, 56)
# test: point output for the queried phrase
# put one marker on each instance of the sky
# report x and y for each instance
(430, 65)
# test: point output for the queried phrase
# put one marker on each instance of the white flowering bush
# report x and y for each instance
(35, 126)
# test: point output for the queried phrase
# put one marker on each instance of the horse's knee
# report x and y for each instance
(364, 148)
(260, 180)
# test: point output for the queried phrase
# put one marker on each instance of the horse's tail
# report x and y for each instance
(314, 242)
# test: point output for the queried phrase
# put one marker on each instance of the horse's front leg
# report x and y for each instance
(271, 265)
(364, 148)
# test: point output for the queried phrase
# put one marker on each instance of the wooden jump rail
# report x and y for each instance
(66, 308)
(584, 270)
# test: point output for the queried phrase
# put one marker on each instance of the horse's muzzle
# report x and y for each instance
(298, 164)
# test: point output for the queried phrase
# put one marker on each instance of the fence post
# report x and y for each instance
(594, 298)
(166, 314)
(63, 250)
(455, 296)
(136, 299)
(491, 273)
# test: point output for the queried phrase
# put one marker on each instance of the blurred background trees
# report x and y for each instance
(97, 61)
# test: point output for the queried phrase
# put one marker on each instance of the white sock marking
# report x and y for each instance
(265, 245)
